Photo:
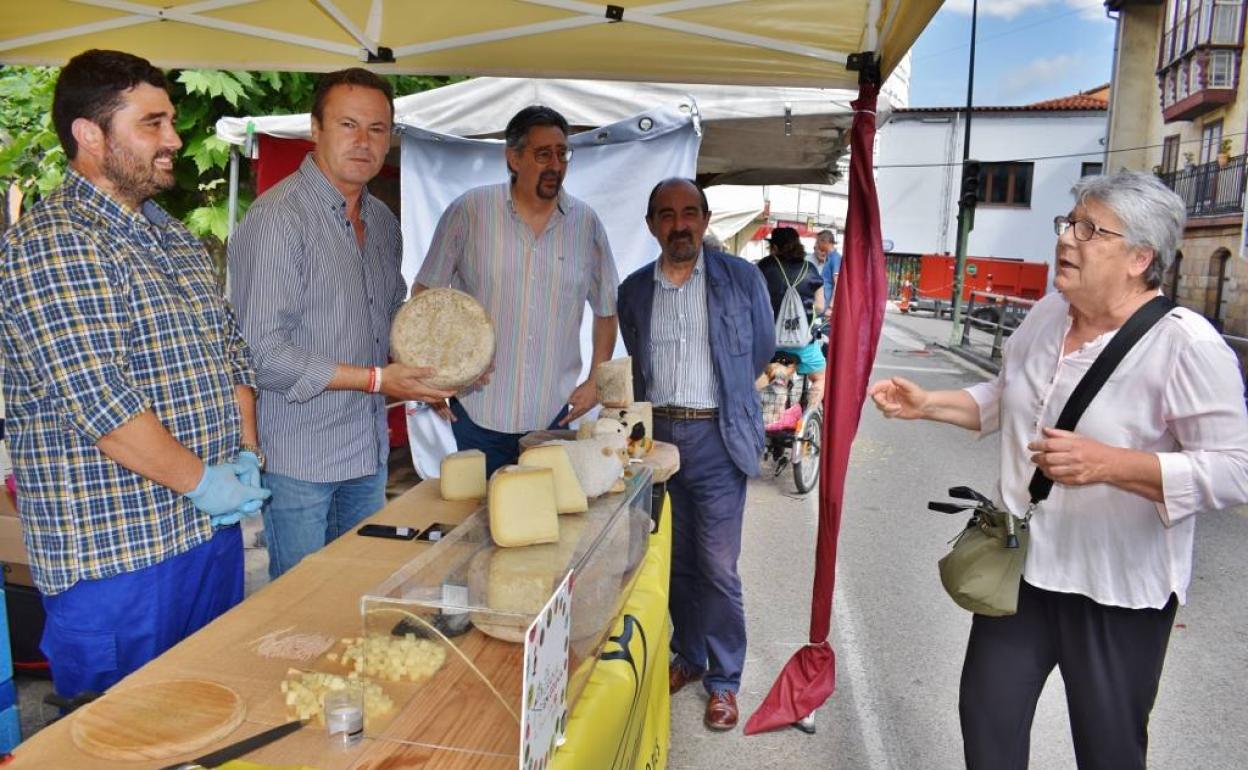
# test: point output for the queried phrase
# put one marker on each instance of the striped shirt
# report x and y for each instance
(108, 313)
(534, 288)
(309, 298)
(682, 373)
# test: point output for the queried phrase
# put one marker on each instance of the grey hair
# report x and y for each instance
(826, 235)
(1152, 214)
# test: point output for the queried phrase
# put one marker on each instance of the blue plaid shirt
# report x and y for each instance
(108, 312)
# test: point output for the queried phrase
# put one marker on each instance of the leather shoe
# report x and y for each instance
(721, 711)
(678, 676)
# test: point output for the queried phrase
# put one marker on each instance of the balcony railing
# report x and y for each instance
(1210, 189)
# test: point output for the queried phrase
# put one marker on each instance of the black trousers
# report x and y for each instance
(1110, 659)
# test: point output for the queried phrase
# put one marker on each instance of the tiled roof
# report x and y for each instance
(1092, 99)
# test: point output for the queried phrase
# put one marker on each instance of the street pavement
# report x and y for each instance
(899, 640)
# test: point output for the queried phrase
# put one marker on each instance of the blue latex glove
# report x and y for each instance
(251, 465)
(225, 498)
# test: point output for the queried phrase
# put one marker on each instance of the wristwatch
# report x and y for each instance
(255, 450)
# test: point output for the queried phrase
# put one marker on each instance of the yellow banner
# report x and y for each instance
(622, 719)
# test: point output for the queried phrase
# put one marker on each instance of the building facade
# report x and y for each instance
(1030, 155)
(1178, 109)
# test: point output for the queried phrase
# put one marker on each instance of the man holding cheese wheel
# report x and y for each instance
(699, 327)
(532, 255)
(316, 280)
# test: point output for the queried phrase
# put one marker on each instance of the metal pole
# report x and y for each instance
(966, 215)
(232, 206)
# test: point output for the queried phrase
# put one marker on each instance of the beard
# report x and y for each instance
(134, 177)
(682, 246)
(547, 177)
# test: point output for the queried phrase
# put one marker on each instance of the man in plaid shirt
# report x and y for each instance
(131, 413)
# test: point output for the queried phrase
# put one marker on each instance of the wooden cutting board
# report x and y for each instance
(157, 720)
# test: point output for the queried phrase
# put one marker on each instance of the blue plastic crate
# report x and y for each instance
(8, 694)
(6, 653)
(10, 729)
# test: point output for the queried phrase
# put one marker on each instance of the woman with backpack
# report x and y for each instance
(794, 284)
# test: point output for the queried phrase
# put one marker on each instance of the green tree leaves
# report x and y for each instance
(31, 156)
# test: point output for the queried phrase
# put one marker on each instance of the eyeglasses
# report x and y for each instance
(1085, 229)
(545, 155)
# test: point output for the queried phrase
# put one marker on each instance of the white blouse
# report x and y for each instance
(1178, 393)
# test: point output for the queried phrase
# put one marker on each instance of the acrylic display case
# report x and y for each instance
(476, 600)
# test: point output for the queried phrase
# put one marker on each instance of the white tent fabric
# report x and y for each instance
(751, 135)
(725, 224)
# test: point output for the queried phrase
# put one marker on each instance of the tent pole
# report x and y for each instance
(232, 206)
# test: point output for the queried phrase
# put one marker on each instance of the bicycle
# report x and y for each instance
(798, 446)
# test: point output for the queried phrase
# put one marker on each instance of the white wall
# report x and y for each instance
(918, 206)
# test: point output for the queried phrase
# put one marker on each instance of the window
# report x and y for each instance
(1220, 70)
(1170, 154)
(1218, 268)
(1005, 184)
(1227, 21)
(1176, 270)
(1090, 169)
(1210, 141)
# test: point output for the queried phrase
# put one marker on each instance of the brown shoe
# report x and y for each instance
(721, 711)
(678, 676)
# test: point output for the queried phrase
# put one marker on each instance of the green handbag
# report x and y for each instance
(981, 572)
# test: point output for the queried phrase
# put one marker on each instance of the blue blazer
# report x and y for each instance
(742, 333)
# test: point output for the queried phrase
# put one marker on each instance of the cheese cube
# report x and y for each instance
(522, 506)
(569, 497)
(463, 475)
(615, 381)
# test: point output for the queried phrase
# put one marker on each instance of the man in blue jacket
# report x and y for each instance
(699, 326)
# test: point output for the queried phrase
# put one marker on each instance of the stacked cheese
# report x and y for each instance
(614, 380)
(463, 475)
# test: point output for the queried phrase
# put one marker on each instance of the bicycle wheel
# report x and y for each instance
(806, 450)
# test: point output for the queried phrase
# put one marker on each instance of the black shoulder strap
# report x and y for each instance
(1136, 326)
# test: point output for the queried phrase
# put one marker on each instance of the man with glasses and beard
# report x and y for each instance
(532, 255)
(699, 327)
(131, 410)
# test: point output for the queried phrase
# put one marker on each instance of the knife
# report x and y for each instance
(241, 748)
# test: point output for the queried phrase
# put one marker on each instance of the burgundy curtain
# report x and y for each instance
(858, 313)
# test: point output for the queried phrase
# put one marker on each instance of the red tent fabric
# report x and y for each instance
(857, 316)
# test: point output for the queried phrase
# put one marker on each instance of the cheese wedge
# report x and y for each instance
(569, 497)
(522, 506)
(615, 381)
(463, 475)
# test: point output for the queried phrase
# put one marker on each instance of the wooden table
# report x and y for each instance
(322, 594)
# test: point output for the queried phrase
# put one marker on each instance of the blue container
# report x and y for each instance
(6, 654)
(10, 729)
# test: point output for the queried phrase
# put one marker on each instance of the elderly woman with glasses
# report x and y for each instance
(1110, 556)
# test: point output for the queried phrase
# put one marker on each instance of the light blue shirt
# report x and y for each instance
(830, 269)
(680, 342)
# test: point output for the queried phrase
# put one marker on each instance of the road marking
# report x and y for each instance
(851, 661)
(902, 339)
(919, 369)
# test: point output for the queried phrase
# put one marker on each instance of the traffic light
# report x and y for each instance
(970, 183)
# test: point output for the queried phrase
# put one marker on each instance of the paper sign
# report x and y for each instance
(544, 710)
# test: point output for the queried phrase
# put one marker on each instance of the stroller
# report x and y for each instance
(794, 426)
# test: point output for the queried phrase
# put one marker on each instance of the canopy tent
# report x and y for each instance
(750, 135)
(742, 42)
(808, 43)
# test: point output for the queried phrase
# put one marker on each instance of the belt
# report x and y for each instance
(684, 413)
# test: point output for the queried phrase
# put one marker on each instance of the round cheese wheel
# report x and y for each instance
(446, 330)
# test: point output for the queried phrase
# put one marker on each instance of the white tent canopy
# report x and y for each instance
(751, 135)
